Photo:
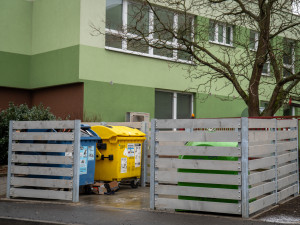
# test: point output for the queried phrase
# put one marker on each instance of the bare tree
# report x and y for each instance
(250, 45)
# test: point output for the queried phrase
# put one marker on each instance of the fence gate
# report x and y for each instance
(43, 160)
(236, 166)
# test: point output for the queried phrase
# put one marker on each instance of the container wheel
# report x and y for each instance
(134, 183)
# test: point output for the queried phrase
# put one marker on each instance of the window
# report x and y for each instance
(288, 57)
(221, 33)
(296, 7)
(128, 23)
(173, 105)
(253, 45)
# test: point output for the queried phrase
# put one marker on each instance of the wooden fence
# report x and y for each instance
(239, 166)
(145, 128)
(43, 162)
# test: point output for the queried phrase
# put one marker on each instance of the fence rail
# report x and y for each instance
(237, 166)
(43, 160)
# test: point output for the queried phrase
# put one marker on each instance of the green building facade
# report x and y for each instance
(47, 45)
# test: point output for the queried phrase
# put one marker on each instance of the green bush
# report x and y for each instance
(19, 113)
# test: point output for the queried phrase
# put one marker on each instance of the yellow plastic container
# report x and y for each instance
(122, 158)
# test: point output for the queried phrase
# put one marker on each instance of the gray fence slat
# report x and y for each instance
(175, 177)
(136, 125)
(43, 136)
(198, 150)
(36, 182)
(165, 203)
(287, 192)
(286, 123)
(76, 166)
(262, 189)
(37, 193)
(47, 159)
(256, 136)
(287, 145)
(225, 136)
(25, 147)
(257, 150)
(261, 176)
(49, 171)
(287, 157)
(261, 123)
(286, 181)
(287, 134)
(198, 164)
(10, 164)
(262, 203)
(261, 163)
(198, 192)
(286, 169)
(199, 123)
(63, 124)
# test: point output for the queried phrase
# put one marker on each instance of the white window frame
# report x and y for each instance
(216, 33)
(295, 7)
(150, 53)
(174, 102)
(291, 66)
(256, 37)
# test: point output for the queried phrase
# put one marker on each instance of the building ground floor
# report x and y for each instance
(101, 101)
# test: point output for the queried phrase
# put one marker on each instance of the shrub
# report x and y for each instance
(19, 113)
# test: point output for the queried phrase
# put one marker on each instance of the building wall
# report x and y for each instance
(15, 95)
(15, 43)
(65, 101)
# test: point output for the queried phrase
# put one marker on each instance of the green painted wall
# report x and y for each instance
(103, 65)
(214, 107)
(56, 24)
(15, 26)
(55, 67)
(112, 101)
(14, 70)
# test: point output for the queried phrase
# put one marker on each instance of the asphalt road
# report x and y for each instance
(33, 213)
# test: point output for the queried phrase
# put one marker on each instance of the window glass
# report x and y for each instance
(185, 27)
(266, 68)
(228, 35)
(113, 41)
(183, 106)
(252, 40)
(220, 33)
(137, 46)
(211, 30)
(184, 55)
(288, 52)
(287, 72)
(163, 105)
(163, 20)
(163, 52)
(114, 14)
(138, 19)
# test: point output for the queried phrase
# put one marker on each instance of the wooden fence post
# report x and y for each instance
(152, 164)
(245, 168)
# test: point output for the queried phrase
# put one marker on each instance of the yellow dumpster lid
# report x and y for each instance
(106, 132)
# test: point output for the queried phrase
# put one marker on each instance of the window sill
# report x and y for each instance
(222, 44)
(149, 56)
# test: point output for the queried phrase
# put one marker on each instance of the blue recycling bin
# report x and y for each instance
(88, 143)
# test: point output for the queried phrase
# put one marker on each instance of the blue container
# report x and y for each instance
(88, 143)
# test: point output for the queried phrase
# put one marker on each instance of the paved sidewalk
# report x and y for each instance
(70, 213)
